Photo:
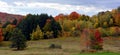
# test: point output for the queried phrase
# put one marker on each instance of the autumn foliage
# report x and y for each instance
(1, 35)
(117, 19)
(74, 15)
(60, 17)
(96, 41)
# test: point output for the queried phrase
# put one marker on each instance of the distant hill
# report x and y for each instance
(4, 17)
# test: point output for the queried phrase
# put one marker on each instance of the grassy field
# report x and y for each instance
(70, 46)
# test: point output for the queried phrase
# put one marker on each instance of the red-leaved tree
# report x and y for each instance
(96, 41)
(1, 36)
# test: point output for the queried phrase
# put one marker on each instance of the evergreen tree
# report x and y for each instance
(14, 22)
(18, 40)
(55, 26)
(27, 25)
(30, 22)
(118, 9)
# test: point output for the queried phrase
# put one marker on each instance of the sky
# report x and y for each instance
(55, 7)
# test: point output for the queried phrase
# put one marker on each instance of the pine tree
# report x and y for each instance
(14, 22)
(18, 40)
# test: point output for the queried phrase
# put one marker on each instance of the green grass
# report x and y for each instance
(103, 53)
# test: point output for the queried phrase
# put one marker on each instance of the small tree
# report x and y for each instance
(37, 34)
(96, 41)
(7, 31)
(18, 39)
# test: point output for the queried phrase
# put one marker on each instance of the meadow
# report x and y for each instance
(70, 46)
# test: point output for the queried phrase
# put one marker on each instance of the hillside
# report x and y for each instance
(4, 17)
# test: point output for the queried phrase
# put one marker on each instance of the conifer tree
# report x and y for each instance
(18, 39)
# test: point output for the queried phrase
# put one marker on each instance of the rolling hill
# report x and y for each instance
(4, 17)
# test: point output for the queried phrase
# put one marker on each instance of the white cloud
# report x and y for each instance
(20, 7)
(3, 4)
(4, 7)
(19, 3)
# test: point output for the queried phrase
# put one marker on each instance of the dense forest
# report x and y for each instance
(72, 24)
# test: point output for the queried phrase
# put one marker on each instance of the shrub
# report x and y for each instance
(55, 46)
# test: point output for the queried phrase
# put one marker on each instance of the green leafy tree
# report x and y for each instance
(18, 40)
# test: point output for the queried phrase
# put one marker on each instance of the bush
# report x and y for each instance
(55, 46)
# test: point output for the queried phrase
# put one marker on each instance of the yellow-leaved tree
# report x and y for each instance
(37, 34)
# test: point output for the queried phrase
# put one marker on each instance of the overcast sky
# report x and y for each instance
(54, 7)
